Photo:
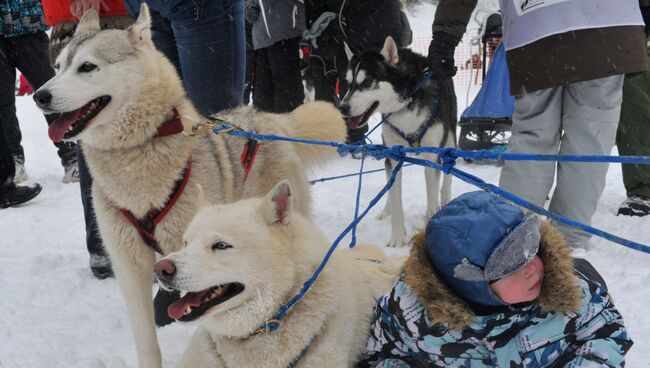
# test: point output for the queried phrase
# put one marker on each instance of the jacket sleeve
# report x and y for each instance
(452, 17)
(602, 341)
(385, 347)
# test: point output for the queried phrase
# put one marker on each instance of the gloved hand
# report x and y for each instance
(441, 55)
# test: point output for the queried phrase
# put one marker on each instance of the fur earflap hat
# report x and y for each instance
(477, 239)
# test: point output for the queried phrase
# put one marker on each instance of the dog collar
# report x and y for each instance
(171, 126)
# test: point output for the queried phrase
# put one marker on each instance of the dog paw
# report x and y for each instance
(397, 243)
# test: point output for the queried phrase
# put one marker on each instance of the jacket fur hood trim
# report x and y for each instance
(560, 291)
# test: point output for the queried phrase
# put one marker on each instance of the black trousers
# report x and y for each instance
(29, 54)
(278, 82)
(93, 241)
(7, 167)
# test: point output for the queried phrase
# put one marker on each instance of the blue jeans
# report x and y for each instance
(205, 40)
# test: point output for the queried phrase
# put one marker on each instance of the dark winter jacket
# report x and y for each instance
(21, 17)
(573, 323)
(275, 20)
(563, 58)
(362, 24)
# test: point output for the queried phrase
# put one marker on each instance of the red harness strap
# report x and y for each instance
(146, 226)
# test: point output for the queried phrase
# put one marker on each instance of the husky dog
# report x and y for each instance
(125, 102)
(236, 275)
(422, 113)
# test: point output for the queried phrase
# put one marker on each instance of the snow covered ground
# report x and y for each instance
(56, 314)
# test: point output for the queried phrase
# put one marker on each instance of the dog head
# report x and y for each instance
(98, 74)
(237, 267)
(373, 79)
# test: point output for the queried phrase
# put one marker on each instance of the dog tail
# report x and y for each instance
(317, 120)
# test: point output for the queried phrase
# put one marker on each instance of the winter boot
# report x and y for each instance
(21, 174)
(71, 172)
(13, 195)
(635, 206)
(68, 153)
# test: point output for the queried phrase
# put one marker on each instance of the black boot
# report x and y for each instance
(13, 195)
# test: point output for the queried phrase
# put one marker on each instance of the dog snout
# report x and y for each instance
(345, 109)
(165, 270)
(43, 98)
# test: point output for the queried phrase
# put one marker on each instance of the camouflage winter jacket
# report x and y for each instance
(421, 323)
(21, 17)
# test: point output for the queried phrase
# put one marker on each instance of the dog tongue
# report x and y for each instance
(60, 126)
(177, 309)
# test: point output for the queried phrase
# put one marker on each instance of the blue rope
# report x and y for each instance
(448, 157)
(315, 181)
(273, 324)
(353, 242)
(471, 179)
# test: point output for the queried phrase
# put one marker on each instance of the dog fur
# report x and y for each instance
(272, 254)
(135, 171)
(388, 82)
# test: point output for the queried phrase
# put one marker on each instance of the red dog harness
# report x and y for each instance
(146, 226)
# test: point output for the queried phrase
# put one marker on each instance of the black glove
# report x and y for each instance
(441, 55)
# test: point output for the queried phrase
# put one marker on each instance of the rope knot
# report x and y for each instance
(448, 156)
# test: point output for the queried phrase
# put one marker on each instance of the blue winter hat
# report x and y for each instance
(478, 238)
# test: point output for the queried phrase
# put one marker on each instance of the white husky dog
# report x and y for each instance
(236, 275)
(125, 102)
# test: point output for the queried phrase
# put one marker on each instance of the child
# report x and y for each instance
(487, 286)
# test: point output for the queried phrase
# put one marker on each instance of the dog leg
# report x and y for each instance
(133, 266)
(385, 213)
(432, 180)
(398, 231)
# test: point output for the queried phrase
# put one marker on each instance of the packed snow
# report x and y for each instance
(56, 314)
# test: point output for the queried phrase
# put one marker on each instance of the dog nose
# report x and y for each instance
(345, 109)
(165, 270)
(43, 98)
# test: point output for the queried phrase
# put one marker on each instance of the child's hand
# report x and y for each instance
(79, 7)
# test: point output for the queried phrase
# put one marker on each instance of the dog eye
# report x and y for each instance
(86, 67)
(56, 66)
(220, 246)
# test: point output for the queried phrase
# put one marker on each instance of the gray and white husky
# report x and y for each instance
(120, 97)
(422, 113)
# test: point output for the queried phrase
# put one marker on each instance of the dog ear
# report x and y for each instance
(389, 52)
(348, 52)
(201, 198)
(140, 31)
(89, 23)
(278, 204)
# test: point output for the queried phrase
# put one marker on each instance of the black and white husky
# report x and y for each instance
(422, 113)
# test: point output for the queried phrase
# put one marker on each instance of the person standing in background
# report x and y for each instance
(276, 33)
(633, 137)
(24, 46)
(566, 74)
(205, 41)
(363, 25)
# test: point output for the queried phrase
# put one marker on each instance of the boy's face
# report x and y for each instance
(524, 285)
